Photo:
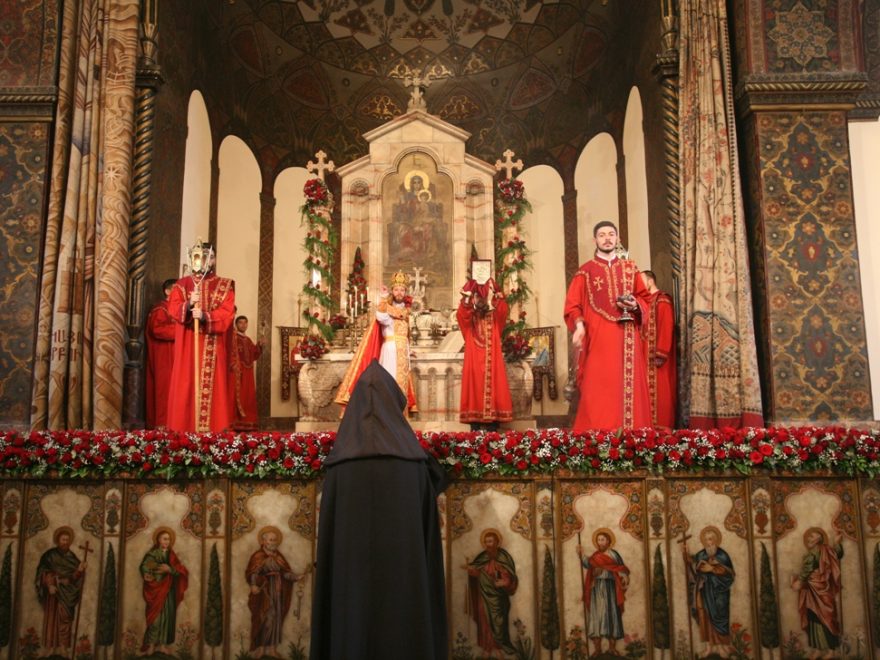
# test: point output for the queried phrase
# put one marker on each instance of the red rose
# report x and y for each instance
(756, 457)
(614, 453)
(766, 449)
(521, 465)
(485, 458)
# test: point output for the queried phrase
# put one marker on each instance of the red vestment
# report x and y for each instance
(821, 588)
(218, 310)
(274, 578)
(659, 340)
(612, 374)
(157, 591)
(606, 562)
(485, 394)
(243, 354)
(369, 349)
(159, 335)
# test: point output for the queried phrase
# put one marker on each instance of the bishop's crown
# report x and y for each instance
(399, 279)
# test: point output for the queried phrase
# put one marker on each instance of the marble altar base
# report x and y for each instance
(437, 381)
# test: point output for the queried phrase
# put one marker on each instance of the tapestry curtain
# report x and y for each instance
(79, 355)
(721, 386)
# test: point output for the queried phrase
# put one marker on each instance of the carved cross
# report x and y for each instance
(321, 166)
(417, 99)
(508, 164)
(419, 282)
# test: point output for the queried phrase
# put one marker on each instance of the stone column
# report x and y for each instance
(800, 74)
(264, 305)
(149, 80)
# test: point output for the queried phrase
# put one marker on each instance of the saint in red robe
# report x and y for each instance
(159, 334)
(163, 593)
(244, 354)
(485, 394)
(611, 374)
(659, 339)
(218, 310)
(273, 578)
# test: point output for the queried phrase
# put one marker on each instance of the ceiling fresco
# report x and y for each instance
(319, 73)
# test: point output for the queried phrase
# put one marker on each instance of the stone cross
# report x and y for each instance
(417, 98)
(419, 282)
(321, 166)
(508, 164)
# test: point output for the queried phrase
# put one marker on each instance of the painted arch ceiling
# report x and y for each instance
(517, 73)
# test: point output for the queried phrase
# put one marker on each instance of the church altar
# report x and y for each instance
(437, 382)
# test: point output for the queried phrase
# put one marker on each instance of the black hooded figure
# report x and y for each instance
(379, 585)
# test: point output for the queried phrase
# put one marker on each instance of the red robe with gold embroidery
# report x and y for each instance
(659, 339)
(243, 387)
(485, 394)
(218, 310)
(159, 334)
(612, 374)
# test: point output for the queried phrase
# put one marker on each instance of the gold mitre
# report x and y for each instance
(399, 279)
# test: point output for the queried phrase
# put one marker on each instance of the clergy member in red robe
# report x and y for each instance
(159, 335)
(612, 378)
(485, 394)
(211, 299)
(658, 335)
(243, 355)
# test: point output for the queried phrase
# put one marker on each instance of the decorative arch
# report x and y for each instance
(595, 178)
(238, 222)
(637, 220)
(196, 205)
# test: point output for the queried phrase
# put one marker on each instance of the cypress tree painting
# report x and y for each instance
(214, 606)
(660, 604)
(6, 597)
(549, 606)
(767, 610)
(107, 607)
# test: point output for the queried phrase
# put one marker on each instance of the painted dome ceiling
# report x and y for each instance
(319, 73)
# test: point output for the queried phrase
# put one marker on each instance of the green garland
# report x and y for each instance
(320, 246)
(511, 207)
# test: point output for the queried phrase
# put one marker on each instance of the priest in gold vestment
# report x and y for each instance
(387, 340)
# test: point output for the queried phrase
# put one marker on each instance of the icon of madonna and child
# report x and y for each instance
(418, 233)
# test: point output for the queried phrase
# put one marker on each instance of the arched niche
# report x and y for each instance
(544, 235)
(638, 235)
(595, 178)
(238, 224)
(196, 205)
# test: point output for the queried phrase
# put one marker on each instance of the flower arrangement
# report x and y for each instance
(511, 190)
(312, 347)
(320, 245)
(800, 450)
(317, 193)
(515, 346)
(338, 321)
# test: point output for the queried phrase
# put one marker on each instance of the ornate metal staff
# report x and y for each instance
(198, 259)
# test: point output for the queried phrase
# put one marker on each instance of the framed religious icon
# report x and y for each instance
(290, 339)
(481, 270)
(543, 343)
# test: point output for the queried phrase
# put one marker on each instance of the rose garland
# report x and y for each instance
(512, 261)
(135, 454)
(320, 246)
